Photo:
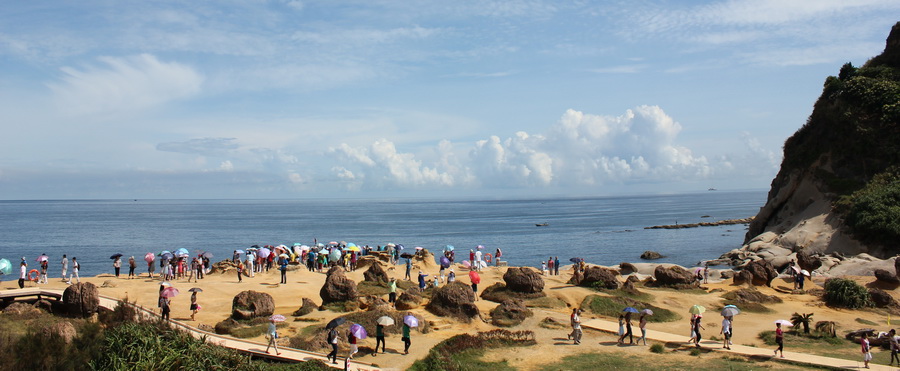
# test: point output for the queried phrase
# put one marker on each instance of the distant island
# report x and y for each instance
(703, 224)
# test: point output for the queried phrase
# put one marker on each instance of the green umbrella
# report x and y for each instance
(5, 266)
(697, 309)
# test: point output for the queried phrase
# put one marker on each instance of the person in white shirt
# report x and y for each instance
(23, 275)
(75, 267)
(478, 262)
(249, 265)
(576, 326)
(65, 266)
(726, 332)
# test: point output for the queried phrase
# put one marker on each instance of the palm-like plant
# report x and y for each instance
(802, 319)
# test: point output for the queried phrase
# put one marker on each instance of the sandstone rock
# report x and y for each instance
(599, 277)
(82, 299)
(630, 283)
(651, 255)
(726, 274)
(20, 308)
(886, 277)
(897, 267)
(750, 295)
(881, 298)
(425, 260)
(64, 330)
(762, 272)
(673, 276)
(307, 307)
(377, 304)
(108, 284)
(44, 304)
(252, 304)
(409, 299)
(523, 279)
(337, 287)
(510, 313)
(807, 260)
(626, 268)
(743, 277)
(205, 327)
(375, 273)
(224, 327)
(454, 300)
(222, 267)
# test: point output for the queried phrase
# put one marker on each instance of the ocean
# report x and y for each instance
(603, 230)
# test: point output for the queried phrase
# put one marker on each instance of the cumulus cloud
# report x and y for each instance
(124, 84)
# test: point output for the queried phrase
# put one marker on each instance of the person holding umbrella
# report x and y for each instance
(726, 332)
(272, 334)
(379, 332)
(164, 304)
(333, 341)
(408, 321)
(351, 339)
(149, 258)
(643, 324)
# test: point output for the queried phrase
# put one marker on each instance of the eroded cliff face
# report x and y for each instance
(799, 213)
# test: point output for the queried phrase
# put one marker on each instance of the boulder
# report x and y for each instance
(307, 307)
(252, 304)
(630, 283)
(510, 313)
(375, 273)
(743, 277)
(750, 295)
(599, 277)
(226, 326)
(337, 287)
(376, 303)
(808, 260)
(524, 280)
(409, 299)
(626, 268)
(897, 267)
(64, 330)
(886, 276)
(761, 272)
(455, 300)
(651, 255)
(222, 267)
(881, 298)
(82, 299)
(726, 274)
(673, 276)
(20, 308)
(425, 260)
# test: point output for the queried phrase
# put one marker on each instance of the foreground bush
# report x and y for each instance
(845, 293)
(462, 351)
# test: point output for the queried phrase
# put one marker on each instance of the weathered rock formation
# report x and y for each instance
(252, 304)
(510, 313)
(524, 280)
(651, 255)
(375, 273)
(455, 300)
(337, 287)
(598, 277)
(409, 299)
(81, 299)
(673, 276)
(757, 273)
(307, 307)
(886, 277)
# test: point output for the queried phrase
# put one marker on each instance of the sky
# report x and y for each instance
(382, 98)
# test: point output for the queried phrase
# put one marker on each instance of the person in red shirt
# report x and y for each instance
(779, 339)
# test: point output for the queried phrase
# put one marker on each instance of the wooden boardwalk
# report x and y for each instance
(243, 346)
(744, 350)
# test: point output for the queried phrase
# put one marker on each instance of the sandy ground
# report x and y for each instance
(219, 289)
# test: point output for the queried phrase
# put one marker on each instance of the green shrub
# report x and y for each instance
(696, 351)
(845, 293)
(612, 307)
(657, 348)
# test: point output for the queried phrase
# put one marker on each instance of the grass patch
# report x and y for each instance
(548, 302)
(619, 361)
(657, 348)
(630, 294)
(866, 322)
(464, 352)
(342, 306)
(366, 288)
(612, 307)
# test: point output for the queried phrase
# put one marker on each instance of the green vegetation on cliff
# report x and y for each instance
(851, 143)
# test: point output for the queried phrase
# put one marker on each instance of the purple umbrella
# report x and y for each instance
(445, 262)
(411, 321)
(263, 253)
(358, 331)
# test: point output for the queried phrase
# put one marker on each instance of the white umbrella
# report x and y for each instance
(785, 322)
(804, 272)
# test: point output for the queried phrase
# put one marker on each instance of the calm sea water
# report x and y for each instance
(602, 230)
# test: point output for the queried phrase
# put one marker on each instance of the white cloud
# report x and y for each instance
(124, 84)
(226, 166)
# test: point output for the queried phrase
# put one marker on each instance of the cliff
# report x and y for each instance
(838, 189)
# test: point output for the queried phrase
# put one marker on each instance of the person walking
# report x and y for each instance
(194, 271)
(150, 268)
(75, 267)
(194, 306)
(895, 346)
(408, 269)
(23, 273)
(406, 340)
(65, 266)
(575, 320)
(351, 339)
(556, 266)
(333, 341)
(779, 339)
(866, 349)
(249, 265)
(726, 332)
(642, 323)
(697, 327)
(240, 271)
(550, 266)
(379, 339)
(131, 266)
(272, 334)
(117, 265)
(392, 292)
(283, 263)
(44, 267)
(164, 306)
(621, 332)
(706, 273)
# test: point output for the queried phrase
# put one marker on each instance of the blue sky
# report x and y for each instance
(285, 99)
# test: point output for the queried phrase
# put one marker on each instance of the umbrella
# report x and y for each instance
(113, 256)
(263, 253)
(5, 266)
(169, 292)
(390, 245)
(697, 309)
(795, 268)
(209, 255)
(411, 321)
(730, 311)
(195, 289)
(449, 248)
(182, 251)
(334, 255)
(165, 283)
(399, 247)
(45, 258)
(479, 247)
(335, 323)
(277, 318)
(385, 321)
(805, 272)
(284, 256)
(576, 260)
(466, 264)
(419, 248)
(445, 262)
(167, 256)
(630, 310)
(785, 322)
(358, 331)
(150, 257)
(473, 275)
(351, 244)
(353, 248)
(406, 255)
(647, 312)
(164, 252)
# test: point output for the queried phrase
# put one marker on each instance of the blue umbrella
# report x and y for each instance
(449, 248)
(5, 266)
(182, 252)
(334, 255)
(630, 310)
(411, 321)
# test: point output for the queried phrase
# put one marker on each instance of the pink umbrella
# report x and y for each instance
(150, 257)
(479, 247)
(473, 275)
(277, 318)
(466, 264)
(263, 253)
(42, 258)
(169, 292)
